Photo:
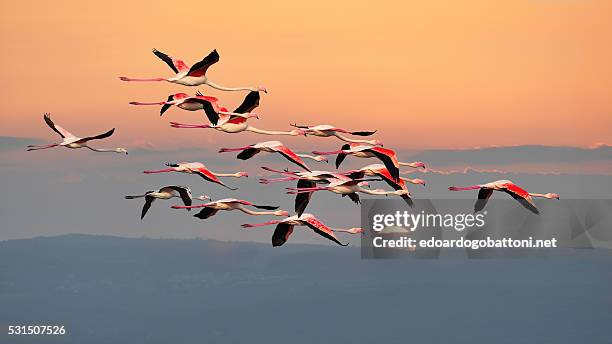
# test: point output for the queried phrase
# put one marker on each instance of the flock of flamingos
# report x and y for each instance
(345, 183)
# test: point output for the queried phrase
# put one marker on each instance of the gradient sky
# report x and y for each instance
(445, 74)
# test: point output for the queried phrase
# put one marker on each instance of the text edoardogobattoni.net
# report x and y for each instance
(457, 222)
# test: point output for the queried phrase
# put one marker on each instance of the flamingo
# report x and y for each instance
(201, 170)
(326, 130)
(71, 141)
(202, 102)
(387, 156)
(344, 187)
(486, 190)
(284, 228)
(379, 170)
(305, 180)
(194, 76)
(249, 151)
(166, 192)
(234, 122)
(229, 204)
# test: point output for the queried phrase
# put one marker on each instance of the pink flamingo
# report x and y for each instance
(350, 188)
(74, 142)
(326, 130)
(387, 156)
(284, 228)
(249, 151)
(235, 122)
(210, 106)
(305, 180)
(194, 76)
(201, 170)
(229, 204)
(507, 186)
(379, 170)
(167, 192)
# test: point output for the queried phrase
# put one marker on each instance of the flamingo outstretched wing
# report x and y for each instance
(247, 153)
(59, 130)
(184, 192)
(291, 156)
(200, 68)
(205, 213)
(388, 158)
(175, 64)
(341, 156)
(97, 137)
(281, 233)
(145, 208)
(483, 197)
(302, 199)
(522, 196)
(250, 102)
(322, 229)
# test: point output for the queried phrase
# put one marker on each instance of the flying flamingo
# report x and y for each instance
(71, 141)
(326, 130)
(202, 102)
(284, 228)
(166, 192)
(201, 170)
(387, 156)
(248, 152)
(379, 170)
(350, 188)
(229, 204)
(304, 180)
(235, 122)
(194, 76)
(507, 186)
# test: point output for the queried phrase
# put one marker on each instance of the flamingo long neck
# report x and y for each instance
(344, 230)
(411, 164)
(224, 88)
(313, 157)
(538, 195)
(327, 153)
(256, 213)
(346, 139)
(376, 192)
(189, 126)
(235, 175)
(143, 79)
(412, 181)
(268, 132)
(103, 150)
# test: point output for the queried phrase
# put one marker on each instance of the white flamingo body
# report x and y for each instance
(284, 228)
(200, 169)
(70, 140)
(248, 152)
(524, 197)
(326, 130)
(166, 192)
(229, 204)
(194, 75)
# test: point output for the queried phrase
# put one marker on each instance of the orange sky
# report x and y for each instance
(426, 74)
